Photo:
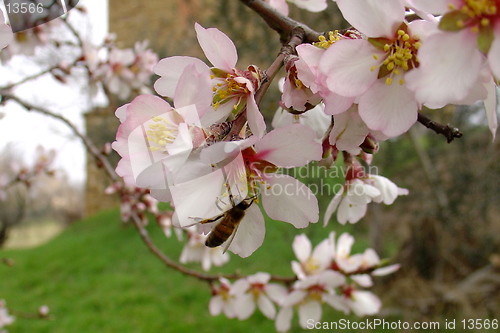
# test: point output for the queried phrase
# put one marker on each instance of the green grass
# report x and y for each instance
(97, 276)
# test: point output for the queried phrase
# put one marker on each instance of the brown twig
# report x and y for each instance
(279, 22)
(448, 131)
(297, 36)
(186, 271)
(85, 140)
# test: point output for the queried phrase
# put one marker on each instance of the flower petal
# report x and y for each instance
(255, 119)
(332, 206)
(266, 306)
(218, 48)
(284, 319)
(374, 18)
(194, 87)
(250, 234)
(494, 55)
(286, 199)
(170, 69)
(391, 109)
(490, 105)
(289, 146)
(302, 247)
(348, 66)
(309, 311)
(449, 67)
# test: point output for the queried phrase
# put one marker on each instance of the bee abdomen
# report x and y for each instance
(220, 234)
(222, 231)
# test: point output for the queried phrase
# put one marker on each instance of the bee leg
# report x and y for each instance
(202, 220)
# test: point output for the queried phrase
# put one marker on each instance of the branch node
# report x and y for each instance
(447, 131)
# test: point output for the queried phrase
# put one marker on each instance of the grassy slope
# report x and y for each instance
(97, 276)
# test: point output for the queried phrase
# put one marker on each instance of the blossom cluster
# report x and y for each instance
(19, 172)
(326, 275)
(123, 72)
(180, 155)
(5, 317)
(375, 77)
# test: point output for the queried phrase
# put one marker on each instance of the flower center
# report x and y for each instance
(325, 43)
(161, 133)
(311, 266)
(401, 56)
(315, 292)
(480, 12)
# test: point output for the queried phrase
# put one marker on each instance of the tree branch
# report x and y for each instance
(186, 271)
(86, 141)
(279, 22)
(448, 131)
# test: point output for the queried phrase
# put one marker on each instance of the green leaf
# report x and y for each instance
(453, 21)
(380, 42)
(383, 72)
(219, 73)
(485, 38)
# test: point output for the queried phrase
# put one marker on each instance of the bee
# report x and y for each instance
(228, 225)
(225, 230)
(217, 132)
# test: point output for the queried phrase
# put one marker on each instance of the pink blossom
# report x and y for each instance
(316, 119)
(307, 296)
(453, 59)
(196, 251)
(361, 302)
(256, 291)
(359, 190)
(251, 171)
(5, 318)
(296, 95)
(310, 75)
(222, 300)
(349, 131)
(6, 35)
(310, 262)
(233, 89)
(375, 70)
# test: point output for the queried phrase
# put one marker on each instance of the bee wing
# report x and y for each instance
(230, 239)
(250, 234)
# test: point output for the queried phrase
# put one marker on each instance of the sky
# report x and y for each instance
(23, 131)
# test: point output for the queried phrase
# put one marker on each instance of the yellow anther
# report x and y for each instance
(485, 22)
(401, 81)
(373, 68)
(390, 66)
(388, 81)
(401, 32)
(375, 57)
(387, 47)
(406, 37)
